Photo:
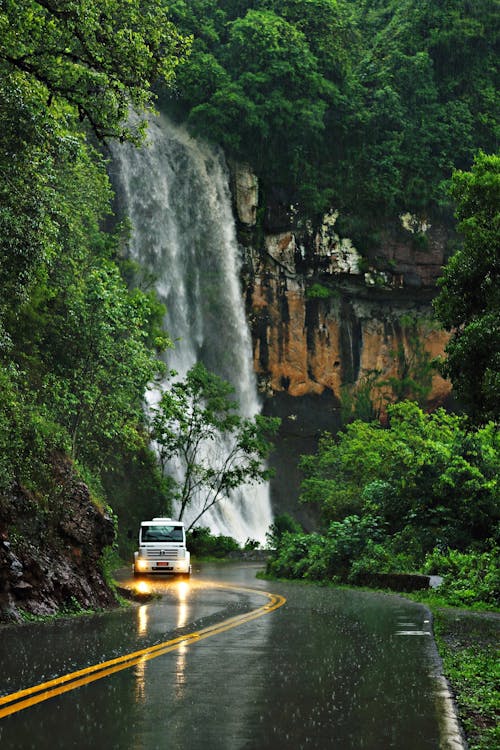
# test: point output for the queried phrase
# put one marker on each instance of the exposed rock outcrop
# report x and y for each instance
(50, 550)
(245, 187)
(321, 313)
(324, 315)
(304, 345)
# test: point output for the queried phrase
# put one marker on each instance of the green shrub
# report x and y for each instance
(325, 556)
(420, 242)
(202, 543)
(381, 558)
(28, 435)
(318, 291)
(290, 555)
(468, 577)
(281, 524)
(251, 544)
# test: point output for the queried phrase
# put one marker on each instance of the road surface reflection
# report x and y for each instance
(330, 669)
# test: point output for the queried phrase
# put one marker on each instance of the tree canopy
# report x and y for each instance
(100, 57)
(468, 304)
(78, 344)
(364, 106)
(425, 474)
(417, 495)
(420, 494)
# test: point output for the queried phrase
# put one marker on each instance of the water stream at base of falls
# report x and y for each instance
(176, 192)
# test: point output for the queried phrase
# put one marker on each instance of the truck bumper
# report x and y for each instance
(147, 567)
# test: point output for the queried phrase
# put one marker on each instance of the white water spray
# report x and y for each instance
(175, 191)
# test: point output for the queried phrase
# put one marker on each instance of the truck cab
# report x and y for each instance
(162, 548)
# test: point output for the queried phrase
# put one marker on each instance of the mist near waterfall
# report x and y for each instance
(175, 190)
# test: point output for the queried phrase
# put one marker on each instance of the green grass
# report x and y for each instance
(434, 600)
(469, 647)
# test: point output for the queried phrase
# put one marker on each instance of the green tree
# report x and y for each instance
(425, 475)
(282, 524)
(28, 435)
(95, 379)
(328, 29)
(365, 106)
(276, 75)
(196, 422)
(260, 70)
(428, 99)
(100, 57)
(468, 304)
(32, 142)
(63, 62)
(85, 346)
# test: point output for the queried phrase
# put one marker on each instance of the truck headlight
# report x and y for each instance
(141, 564)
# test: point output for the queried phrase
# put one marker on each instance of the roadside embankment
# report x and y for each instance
(50, 551)
(468, 643)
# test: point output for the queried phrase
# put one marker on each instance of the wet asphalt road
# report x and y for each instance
(329, 669)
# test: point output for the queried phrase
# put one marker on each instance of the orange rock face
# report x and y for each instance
(304, 346)
(323, 315)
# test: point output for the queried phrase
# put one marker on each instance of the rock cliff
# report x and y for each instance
(325, 317)
(50, 551)
(321, 312)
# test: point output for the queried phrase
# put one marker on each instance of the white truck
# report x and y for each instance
(162, 548)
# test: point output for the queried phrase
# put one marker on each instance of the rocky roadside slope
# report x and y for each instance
(50, 549)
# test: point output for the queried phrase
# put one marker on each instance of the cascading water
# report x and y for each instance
(175, 191)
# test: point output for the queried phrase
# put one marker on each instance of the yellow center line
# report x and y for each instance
(73, 680)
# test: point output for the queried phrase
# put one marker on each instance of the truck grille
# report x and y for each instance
(163, 554)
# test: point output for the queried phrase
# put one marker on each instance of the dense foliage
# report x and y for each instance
(366, 106)
(100, 57)
(77, 345)
(468, 576)
(469, 301)
(202, 543)
(423, 470)
(421, 491)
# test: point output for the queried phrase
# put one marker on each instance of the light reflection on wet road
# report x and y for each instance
(330, 669)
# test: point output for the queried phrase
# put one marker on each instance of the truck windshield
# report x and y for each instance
(161, 533)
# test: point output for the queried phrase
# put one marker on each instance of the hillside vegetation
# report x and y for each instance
(78, 344)
(365, 106)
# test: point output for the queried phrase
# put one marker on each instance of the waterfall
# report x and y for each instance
(175, 191)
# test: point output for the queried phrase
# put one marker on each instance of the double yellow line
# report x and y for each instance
(10, 704)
